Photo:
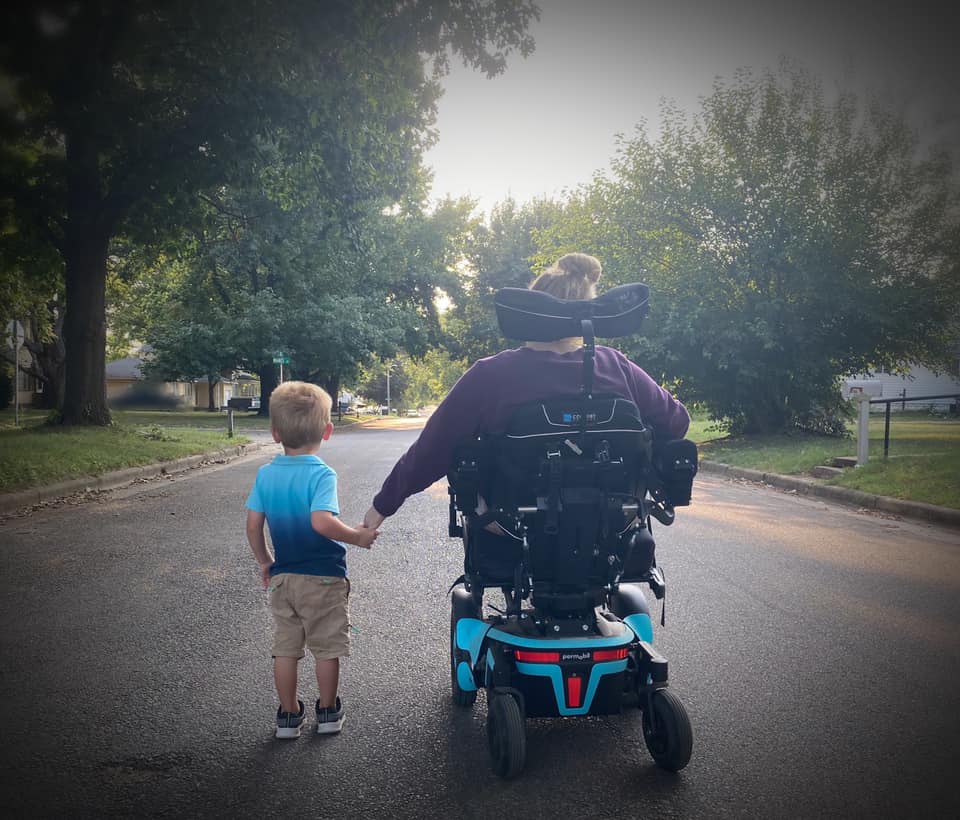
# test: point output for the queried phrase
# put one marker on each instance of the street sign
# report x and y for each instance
(281, 360)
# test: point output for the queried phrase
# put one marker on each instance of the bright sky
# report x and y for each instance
(602, 66)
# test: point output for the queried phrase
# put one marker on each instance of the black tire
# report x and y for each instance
(461, 697)
(672, 743)
(506, 736)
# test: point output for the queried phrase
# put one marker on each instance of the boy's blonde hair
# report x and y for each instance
(300, 412)
(574, 276)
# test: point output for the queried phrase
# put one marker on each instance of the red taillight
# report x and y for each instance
(574, 692)
(536, 657)
(610, 654)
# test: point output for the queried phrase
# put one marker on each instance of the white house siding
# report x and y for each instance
(919, 382)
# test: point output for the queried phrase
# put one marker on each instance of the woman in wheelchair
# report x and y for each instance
(551, 453)
(486, 396)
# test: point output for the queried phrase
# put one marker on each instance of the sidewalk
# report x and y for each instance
(840, 495)
(12, 502)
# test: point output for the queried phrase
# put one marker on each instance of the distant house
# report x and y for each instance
(223, 391)
(28, 387)
(919, 381)
(126, 375)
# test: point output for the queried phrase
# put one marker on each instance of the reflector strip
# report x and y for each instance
(528, 656)
(610, 654)
(574, 692)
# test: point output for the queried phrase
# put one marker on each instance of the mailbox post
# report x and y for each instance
(861, 391)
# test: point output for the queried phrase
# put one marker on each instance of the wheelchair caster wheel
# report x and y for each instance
(667, 732)
(506, 735)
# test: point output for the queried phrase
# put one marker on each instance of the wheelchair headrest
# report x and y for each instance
(537, 316)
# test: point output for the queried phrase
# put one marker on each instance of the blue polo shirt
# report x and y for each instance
(287, 490)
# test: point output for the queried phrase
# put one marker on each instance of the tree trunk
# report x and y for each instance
(85, 257)
(268, 382)
(50, 361)
(332, 385)
(211, 388)
(85, 332)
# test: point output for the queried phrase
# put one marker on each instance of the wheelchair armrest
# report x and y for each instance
(675, 462)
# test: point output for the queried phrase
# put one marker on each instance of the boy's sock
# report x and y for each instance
(330, 718)
(289, 723)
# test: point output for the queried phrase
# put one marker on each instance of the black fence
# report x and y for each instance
(904, 399)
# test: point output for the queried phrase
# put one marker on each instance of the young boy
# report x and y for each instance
(296, 494)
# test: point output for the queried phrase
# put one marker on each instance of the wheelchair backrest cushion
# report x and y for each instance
(600, 443)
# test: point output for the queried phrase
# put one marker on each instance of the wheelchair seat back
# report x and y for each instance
(558, 476)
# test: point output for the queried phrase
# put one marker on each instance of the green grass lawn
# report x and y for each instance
(37, 454)
(923, 462)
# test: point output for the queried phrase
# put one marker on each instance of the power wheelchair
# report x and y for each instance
(570, 488)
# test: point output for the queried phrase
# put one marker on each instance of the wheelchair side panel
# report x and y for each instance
(641, 625)
(470, 635)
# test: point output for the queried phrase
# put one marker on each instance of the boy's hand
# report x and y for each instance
(366, 536)
(265, 574)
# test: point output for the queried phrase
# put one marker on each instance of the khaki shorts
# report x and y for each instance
(310, 610)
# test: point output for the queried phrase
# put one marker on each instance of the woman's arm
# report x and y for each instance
(456, 419)
(658, 407)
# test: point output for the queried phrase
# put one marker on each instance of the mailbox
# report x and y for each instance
(858, 388)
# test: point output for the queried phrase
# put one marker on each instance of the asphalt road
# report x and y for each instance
(816, 649)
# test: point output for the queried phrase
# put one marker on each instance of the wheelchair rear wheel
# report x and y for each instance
(667, 733)
(506, 735)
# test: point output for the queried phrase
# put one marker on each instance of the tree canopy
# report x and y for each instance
(499, 253)
(120, 115)
(788, 240)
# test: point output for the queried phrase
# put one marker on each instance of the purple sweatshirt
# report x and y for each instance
(485, 397)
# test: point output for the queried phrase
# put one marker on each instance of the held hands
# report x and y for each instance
(370, 526)
(366, 536)
(372, 519)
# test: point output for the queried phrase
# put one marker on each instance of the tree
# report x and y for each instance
(373, 384)
(136, 106)
(787, 240)
(430, 379)
(278, 278)
(499, 254)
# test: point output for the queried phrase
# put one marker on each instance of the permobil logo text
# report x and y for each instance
(575, 656)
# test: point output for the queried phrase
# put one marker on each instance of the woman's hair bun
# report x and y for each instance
(580, 266)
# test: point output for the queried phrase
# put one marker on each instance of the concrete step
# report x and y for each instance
(844, 461)
(827, 472)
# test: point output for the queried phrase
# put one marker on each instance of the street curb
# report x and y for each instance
(11, 502)
(840, 495)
